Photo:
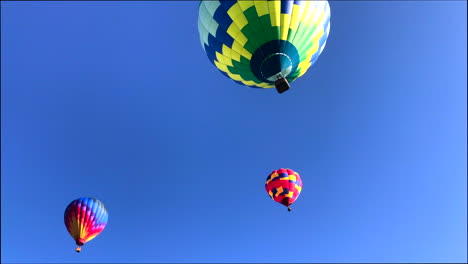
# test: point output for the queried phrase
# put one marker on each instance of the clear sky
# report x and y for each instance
(118, 101)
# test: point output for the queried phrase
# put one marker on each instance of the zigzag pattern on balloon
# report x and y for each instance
(251, 41)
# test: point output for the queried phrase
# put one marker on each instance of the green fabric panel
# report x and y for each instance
(253, 39)
(243, 70)
(305, 41)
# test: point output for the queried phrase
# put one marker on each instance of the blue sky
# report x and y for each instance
(117, 100)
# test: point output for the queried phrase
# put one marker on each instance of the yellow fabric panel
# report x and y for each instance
(285, 19)
(284, 179)
(236, 47)
(301, 69)
(240, 50)
(306, 13)
(234, 11)
(241, 38)
(223, 59)
(228, 52)
(292, 177)
(304, 70)
(309, 53)
(318, 33)
(296, 17)
(266, 85)
(317, 15)
(303, 66)
(261, 7)
(280, 190)
(244, 4)
(289, 194)
(299, 188)
(90, 237)
(221, 66)
(236, 77)
(251, 83)
(273, 176)
(246, 54)
(81, 227)
(233, 31)
(240, 20)
(275, 10)
(313, 49)
(84, 234)
(311, 14)
(219, 58)
(84, 231)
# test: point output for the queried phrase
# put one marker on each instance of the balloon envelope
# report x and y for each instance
(256, 42)
(85, 218)
(284, 186)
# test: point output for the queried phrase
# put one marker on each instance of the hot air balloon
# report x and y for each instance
(284, 186)
(85, 218)
(263, 44)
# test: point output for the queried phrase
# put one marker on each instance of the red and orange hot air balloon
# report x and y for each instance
(284, 186)
(85, 218)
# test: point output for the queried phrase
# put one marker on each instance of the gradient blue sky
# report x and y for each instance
(117, 100)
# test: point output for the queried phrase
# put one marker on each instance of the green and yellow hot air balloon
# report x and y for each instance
(263, 44)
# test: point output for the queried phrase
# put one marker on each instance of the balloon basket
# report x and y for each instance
(282, 85)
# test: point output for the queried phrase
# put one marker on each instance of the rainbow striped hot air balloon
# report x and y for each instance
(85, 218)
(284, 186)
(263, 44)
